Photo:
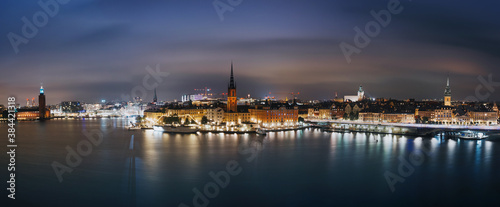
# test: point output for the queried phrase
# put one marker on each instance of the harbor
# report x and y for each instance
(171, 165)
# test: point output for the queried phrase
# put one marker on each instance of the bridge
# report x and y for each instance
(401, 128)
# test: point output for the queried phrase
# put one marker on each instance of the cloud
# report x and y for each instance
(101, 48)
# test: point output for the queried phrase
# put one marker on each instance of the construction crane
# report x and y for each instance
(204, 91)
(293, 94)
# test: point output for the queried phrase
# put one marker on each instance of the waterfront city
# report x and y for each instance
(249, 103)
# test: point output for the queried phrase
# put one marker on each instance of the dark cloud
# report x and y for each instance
(99, 49)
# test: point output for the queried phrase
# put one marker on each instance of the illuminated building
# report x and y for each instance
(231, 94)
(447, 93)
(429, 114)
(337, 112)
(268, 115)
(193, 113)
(443, 115)
(337, 99)
(495, 109)
(356, 98)
(191, 97)
(232, 119)
(319, 113)
(30, 113)
(408, 118)
(215, 115)
(41, 105)
(370, 117)
(153, 116)
(483, 117)
(33, 113)
(361, 93)
(272, 116)
(71, 107)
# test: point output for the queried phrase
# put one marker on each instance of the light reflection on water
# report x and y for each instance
(293, 168)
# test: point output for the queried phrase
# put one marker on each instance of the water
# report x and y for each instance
(301, 168)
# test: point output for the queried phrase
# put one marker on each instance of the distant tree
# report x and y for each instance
(187, 121)
(171, 119)
(204, 120)
(301, 119)
(167, 120)
(354, 116)
(418, 120)
(425, 120)
(346, 116)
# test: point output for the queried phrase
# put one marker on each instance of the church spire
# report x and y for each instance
(231, 80)
(447, 91)
(155, 98)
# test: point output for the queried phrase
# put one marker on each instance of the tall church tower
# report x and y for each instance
(231, 93)
(361, 93)
(447, 93)
(155, 98)
(41, 105)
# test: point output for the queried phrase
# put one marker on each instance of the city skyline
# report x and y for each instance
(278, 96)
(105, 55)
(250, 103)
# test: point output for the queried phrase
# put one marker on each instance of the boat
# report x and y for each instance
(176, 129)
(132, 128)
(261, 131)
(471, 135)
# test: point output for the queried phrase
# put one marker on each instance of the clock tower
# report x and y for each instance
(41, 105)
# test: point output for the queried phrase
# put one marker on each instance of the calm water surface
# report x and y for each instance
(298, 168)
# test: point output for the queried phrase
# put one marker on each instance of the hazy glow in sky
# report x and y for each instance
(92, 50)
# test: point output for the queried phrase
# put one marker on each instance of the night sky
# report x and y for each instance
(92, 50)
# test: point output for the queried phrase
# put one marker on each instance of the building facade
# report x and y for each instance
(483, 117)
(42, 108)
(231, 94)
(274, 116)
(407, 118)
(215, 115)
(443, 115)
(370, 117)
(447, 93)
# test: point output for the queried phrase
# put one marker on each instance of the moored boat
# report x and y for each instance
(176, 129)
(261, 131)
(472, 135)
(132, 128)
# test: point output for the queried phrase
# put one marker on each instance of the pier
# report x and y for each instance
(428, 130)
